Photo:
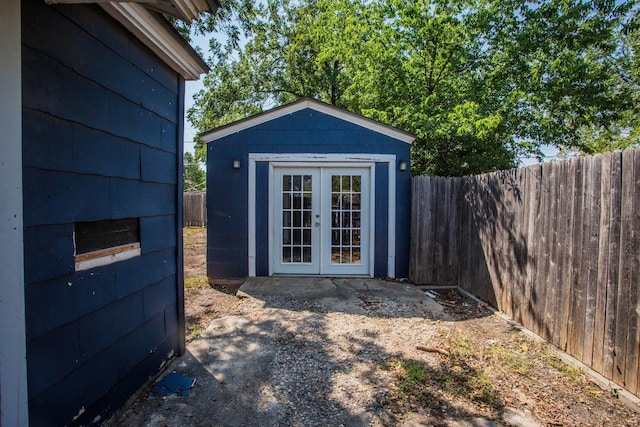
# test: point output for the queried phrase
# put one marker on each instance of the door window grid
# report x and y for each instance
(296, 218)
(345, 219)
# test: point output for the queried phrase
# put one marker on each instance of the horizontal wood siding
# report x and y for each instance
(306, 131)
(100, 132)
(554, 246)
(195, 209)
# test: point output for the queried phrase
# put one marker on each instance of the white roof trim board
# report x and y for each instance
(154, 32)
(313, 104)
(186, 10)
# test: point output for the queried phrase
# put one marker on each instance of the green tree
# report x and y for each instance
(479, 82)
(195, 178)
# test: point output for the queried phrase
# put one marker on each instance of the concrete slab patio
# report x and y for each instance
(346, 295)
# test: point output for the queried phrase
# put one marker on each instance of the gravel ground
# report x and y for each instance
(283, 361)
(266, 360)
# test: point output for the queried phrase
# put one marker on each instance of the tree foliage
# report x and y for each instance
(479, 82)
(195, 178)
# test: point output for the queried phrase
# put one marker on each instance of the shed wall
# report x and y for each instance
(305, 131)
(102, 141)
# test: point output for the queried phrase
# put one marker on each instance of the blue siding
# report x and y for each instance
(262, 227)
(305, 131)
(102, 140)
(403, 220)
(381, 253)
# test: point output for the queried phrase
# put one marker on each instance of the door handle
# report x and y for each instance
(317, 224)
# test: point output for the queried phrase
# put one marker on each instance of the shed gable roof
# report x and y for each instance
(307, 103)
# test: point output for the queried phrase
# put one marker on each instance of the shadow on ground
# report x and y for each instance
(305, 352)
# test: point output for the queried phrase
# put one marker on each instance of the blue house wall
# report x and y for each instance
(102, 139)
(304, 131)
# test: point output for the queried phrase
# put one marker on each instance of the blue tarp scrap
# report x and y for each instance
(174, 383)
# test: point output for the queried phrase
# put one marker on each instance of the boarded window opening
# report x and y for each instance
(104, 242)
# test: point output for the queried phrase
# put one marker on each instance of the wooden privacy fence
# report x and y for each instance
(554, 246)
(195, 209)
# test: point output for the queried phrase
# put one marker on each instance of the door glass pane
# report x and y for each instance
(306, 219)
(356, 184)
(306, 202)
(307, 183)
(345, 219)
(335, 183)
(335, 255)
(335, 201)
(346, 238)
(296, 254)
(346, 184)
(346, 201)
(297, 218)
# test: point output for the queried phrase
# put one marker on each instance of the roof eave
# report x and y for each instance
(301, 104)
(153, 30)
(185, 10)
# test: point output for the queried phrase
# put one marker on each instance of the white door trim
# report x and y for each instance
(322, 159)
(13, 351)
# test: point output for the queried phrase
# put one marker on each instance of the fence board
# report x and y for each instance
(613, 261)
(556, 246)
(626, 317)
(532, 194)
(576, 310)
(551, 295)
(632, 258)
(603, 264)
(593, 245)
(543, 256)
(195, 209)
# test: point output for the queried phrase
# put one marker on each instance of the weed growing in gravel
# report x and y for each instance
(196, 282)
(461, 347)
(514, 360)
(418, 383)
(190, 231)
(194, 331)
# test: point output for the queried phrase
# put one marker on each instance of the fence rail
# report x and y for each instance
(195, 209)
(554, 246)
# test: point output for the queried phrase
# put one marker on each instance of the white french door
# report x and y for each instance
(321, 220)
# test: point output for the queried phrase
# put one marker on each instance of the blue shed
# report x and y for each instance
(308, 189)
(90, 212)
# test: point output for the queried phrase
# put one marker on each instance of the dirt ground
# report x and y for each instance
(466, 366)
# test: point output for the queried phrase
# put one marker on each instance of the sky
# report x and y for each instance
(190, 89)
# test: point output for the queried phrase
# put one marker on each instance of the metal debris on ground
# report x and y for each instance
(174, 384)
(431, 294)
